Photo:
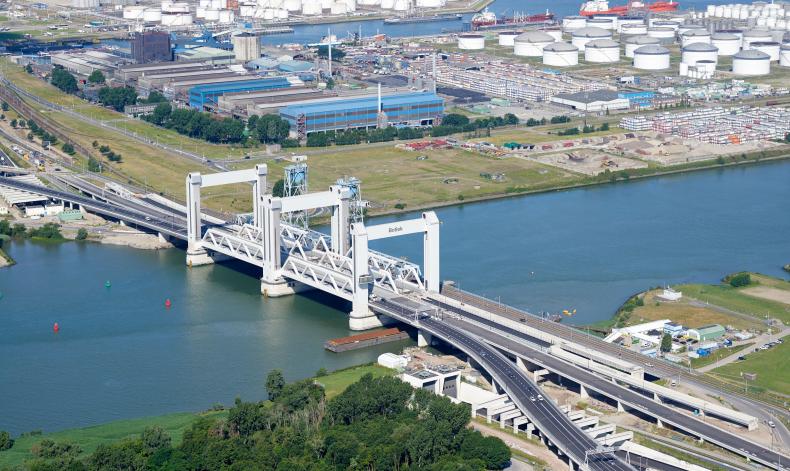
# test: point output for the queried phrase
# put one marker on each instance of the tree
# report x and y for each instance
(666, 343)
(494, 453)
(117, 97)
(68, 148)
(275, 382)
(97, 76)
(271, 129)
(64, 80)
(82, 234)
(6, 442)
(455, 119)
(155, 97)
(4, 106)
(330, 83)
(278, 190)
(13, 123)
(29, 69)
(154, 438)
(738, 279)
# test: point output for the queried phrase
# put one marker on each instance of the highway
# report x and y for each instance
(515, 342)
(547, 417)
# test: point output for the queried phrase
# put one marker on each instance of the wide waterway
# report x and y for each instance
(120, 353)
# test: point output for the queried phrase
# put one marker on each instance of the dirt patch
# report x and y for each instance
(771, 294)
(135, 240)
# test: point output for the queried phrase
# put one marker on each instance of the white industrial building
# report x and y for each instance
(651, 57)
(560, 54)
(592, 102)
(602, 51)
(531, 43)
(751, 62)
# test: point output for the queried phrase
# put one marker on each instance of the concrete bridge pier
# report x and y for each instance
(583, 392)
(162, 237)
(424, 339)
(197, 256)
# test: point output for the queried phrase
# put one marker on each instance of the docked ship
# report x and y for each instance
(488, 20)
(397, 20)
(601, 7)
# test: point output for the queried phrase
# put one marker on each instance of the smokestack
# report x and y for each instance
(378, 103)
(329, 42)
(434, 72)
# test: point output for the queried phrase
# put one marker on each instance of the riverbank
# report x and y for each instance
(175, 424)
(5, 259)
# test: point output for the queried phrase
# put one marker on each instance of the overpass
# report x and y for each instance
(382, 287)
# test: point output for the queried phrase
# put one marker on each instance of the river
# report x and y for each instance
(120, 353)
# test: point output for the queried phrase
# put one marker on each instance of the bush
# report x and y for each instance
(68, 148)
(321, 372)
(6, 442)
(82, 234)
(400, 205)
(737, 280)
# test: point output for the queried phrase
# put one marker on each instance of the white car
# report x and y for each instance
(540, 398)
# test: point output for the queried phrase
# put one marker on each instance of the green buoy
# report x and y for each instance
(107, 284)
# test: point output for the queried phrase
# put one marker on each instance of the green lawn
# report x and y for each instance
(771, 366)
(720, 353)
(731, 298)
(175, 424)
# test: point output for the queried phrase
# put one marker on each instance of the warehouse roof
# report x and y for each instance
(344, 102)
(234, 86)
(589, 97)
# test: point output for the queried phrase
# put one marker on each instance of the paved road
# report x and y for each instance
(661, 369)
(515, 342)
(547, 417)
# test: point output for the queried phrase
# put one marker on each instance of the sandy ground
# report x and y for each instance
(134, 239)
(771, 294)
(589, 162)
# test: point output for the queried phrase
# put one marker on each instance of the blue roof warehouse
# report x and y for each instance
(206, 96)
(405, 109)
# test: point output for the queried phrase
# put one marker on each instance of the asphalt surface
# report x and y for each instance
(660, 368)
(548, 418)
(144, 217)
(514, 341)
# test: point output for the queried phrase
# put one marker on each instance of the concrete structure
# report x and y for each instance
(444, 383)
(561, 54)
(635, 42)
(207, 96)
(651, 57)
(151, 46)
(751, 62)
(728, 44)
(370, 111)
(598, 101)
(391, 360)
(695, 52)
(471, 41)
(769, 47)
(708, 332)
(602, 51)
(581, 37)
(531, 43)
(246, 46)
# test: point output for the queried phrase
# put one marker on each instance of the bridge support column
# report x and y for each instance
(659, 423)
(162, 238)
(431, 251)
(570, 464)
(583, 392)
(424, 339)
(196, 255)
(272, 282)
(530, 429)
(620, 407)
(520, 364)
(656, 398)
(361, 317)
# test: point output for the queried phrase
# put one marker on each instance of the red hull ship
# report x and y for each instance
(601, 7)
(488, 20)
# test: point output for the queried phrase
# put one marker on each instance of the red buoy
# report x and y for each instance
(168, 303)
(55, 327)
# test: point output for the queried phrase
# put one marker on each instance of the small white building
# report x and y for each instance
(668, 294)
(391, 360)
(595, 101)
(442, 383)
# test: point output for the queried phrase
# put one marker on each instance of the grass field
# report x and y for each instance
(175, 424)
(771, 366)
(734, 299)
(390, 175)
(716, 355)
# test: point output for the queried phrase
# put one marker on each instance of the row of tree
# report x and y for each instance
(377, 423)
(49, 230)
(198, 124)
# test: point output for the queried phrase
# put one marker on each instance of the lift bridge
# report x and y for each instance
(294, 258)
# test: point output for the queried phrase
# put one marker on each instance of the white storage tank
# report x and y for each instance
(402, 5)
(602, 51)
(429, 3)
(507, 38)
(630, 20)
(635, 42)
(695, 36)
(784, 55)
(311, 7)
(338, 8)
(778, 34)
(226, 16)
(471, 41)
(633, 30)
(735, 31)
(666, 35)
(133, 12)
(326, 4)
(751, 62)
(651, 57)
(560, 54)
(175, 7)
(615, 19)
(686, 27)
(571, 23)
(582, 36)
(755, 36)
(152, 15)
(769, 47)
(212, 14)
(388, 4)
(293, 5)
(603, 23)
(728, 44)
(695, 52)
(673, 25)
(531, 43)
(555, 33)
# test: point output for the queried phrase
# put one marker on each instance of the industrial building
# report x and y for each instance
(133, 72)
(597, 101)
(371, 111)
(246, 46)
(85, 62)
(207, 96)
(708, 332)
(151, 46)
(246, 104)
(212, 55)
